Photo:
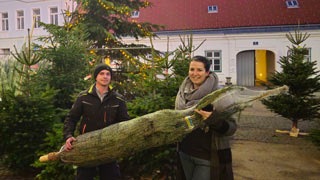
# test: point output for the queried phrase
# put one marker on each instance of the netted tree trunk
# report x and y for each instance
(152, 130)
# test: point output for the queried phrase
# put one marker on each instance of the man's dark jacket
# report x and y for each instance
(95, 114)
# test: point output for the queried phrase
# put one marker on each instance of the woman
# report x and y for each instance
(204, 154)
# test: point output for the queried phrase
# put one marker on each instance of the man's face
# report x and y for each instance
(103, 78)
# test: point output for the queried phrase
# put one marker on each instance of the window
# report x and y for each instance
(212, 9)
(54, 15)
(4, 52)
(20, 19)
(215, 57)
(4, 22)
(36, 18)
(292, 4)
(135, 14)
(307, 56)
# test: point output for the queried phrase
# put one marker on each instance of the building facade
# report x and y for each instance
(17, 16)
(244, 39)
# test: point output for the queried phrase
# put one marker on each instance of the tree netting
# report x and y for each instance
(154, 129)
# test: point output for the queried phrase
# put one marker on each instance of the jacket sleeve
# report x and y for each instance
(228, 128)
(72, 119)
(222, 123)
(122, 113)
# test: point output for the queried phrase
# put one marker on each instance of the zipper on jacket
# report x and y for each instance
(84, 128)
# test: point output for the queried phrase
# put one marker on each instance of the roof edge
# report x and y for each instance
(239, 30)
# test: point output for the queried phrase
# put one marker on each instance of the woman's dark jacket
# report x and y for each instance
(95, 114)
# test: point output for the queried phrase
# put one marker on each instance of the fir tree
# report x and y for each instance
(303, 80)
(111, 19)
(108, 21)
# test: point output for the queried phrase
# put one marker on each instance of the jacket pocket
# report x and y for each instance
(110, 114)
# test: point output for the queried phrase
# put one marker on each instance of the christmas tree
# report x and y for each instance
(300, 74)
(108, 21)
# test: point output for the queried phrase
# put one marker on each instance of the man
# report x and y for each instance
(99, 107)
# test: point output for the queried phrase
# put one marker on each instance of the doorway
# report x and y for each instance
(254, 67)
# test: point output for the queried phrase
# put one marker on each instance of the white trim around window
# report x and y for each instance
(215, 56)
(135, 14)
(36, 17)
(4, 21)
(54, 15)
(212, 9)
(292, 4)
(20, 19)
(307, 57)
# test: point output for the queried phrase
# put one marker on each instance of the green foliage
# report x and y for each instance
(292, 107)
(24, 120)
(9, 77)
(155, 162)
(27, 111)
(315, 136)
(109, 20)
(26, 56)
(148, 104)
(66, 51)
(303, 80)
(53, 170)
(156, 83)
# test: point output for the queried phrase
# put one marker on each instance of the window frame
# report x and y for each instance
(4, 22)
(54, 17)
(213, 9)
(292, 4)
(135, 14)
(37, 18)
(212, 59)
(306, 57)
(3, 52)
(20, 20)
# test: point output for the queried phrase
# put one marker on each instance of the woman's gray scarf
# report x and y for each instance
(188, 96)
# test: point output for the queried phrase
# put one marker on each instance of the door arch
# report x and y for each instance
(254, 67)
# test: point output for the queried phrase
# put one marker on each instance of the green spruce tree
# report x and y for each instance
(108, 21)
(303, 80)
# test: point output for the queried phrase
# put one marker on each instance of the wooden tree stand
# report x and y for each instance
(294, 132)
(152, 130)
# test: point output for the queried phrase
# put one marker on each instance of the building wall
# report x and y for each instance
(17, 37)
(232, 44)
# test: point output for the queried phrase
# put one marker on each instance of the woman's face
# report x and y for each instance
(197, 73)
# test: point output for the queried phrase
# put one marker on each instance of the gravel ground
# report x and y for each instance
(259, 124)
(259, 153)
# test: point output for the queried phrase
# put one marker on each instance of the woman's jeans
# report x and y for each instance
(195, 168)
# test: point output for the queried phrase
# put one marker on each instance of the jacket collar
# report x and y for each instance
(92, 90)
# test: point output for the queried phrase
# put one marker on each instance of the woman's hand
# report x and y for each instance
(204, 114)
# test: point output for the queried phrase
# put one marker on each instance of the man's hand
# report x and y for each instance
(204, 114)
(68, 145)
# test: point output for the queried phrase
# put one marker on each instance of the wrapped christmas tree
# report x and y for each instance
(154, 129)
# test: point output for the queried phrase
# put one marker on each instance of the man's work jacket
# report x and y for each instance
(96, 114)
